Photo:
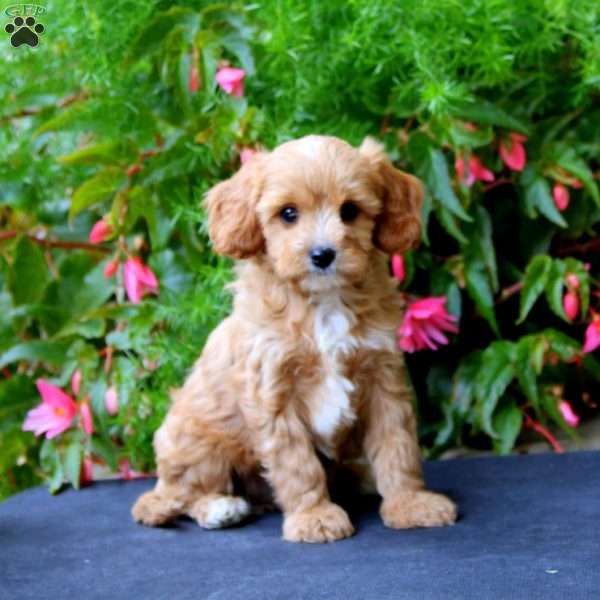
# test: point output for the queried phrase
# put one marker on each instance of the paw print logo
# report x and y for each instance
(24, 31)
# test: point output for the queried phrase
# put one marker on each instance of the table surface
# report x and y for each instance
(528, 528)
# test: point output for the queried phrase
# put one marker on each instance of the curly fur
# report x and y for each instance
(306, 365)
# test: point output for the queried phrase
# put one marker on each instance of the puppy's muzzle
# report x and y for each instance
(322, 256)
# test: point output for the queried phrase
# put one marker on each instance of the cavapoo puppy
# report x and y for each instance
(307, 366)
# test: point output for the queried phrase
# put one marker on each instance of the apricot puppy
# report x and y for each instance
(307, 364)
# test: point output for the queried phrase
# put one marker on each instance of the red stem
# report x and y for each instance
(498, 182)
(590, 246)
(9, 235)
(539, 428)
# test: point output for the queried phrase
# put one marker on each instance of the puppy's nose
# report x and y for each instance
(322, 256)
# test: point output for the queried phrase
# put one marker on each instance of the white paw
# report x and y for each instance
(226, 511)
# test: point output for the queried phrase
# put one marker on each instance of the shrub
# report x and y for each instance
(118, 128)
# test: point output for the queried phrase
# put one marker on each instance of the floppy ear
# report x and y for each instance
(233, 224)
(398, 226)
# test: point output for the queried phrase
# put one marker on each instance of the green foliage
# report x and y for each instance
(102, 121)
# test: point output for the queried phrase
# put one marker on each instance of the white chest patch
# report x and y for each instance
(333, 324)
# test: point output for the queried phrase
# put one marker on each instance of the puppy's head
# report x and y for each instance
(316, 208)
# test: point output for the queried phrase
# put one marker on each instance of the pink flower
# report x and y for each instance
(139, 280)
(477, 171)
(55, 413)
(424, 322)
(111, 268)
(111, 400)
(513, 154)
(246, 154)
(86, 417)
(100, 231)
(592, 335)
(231, 80)
(76, 382)
(398, 267)
(194, 79)
(568, 414)
(571, 305)
(572, 281)
(561, 196)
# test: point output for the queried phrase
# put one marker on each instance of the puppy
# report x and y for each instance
(307, 365)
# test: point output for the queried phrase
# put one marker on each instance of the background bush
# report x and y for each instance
(109, 89)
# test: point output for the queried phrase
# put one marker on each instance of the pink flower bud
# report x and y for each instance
(512, 152)
(568, 414)
(592, 336)
(194, 79)
(86, 417)
(398, 267)
(100, 231)
(571, 305)
(76, 382)
(572, 281)
(111, 268)
(111, 400)
(246, 154)
(561, 196)
(86, 476)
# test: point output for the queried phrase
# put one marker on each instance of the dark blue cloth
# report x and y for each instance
(529, 528)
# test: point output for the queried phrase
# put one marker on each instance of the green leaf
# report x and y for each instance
(539, 198)
(52, 352)
(154, 34)
(529, 355)
(29, 275)
(565, 347)
(17, 395)
(566, 157)
(52, 465)
(449, 222)
(97, 189)
(72, 462)
(481, 111)
(507, 424)
(554, 288)
(495, 375)
(536, 277)
(480, 290)
(105, 449)
(480, 246)
(108, 153)
(430, 164)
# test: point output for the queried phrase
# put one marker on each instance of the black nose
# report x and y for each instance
(322, 257)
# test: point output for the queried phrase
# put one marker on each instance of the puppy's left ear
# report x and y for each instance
(398, 226)
(233, 224)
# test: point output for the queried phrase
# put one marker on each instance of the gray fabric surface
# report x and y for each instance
(529, 528)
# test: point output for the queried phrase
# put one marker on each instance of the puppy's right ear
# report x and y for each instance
(233, 224)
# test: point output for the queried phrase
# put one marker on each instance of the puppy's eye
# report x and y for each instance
(289, 214)
(348, 212)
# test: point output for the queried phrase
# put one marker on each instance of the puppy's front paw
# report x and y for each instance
(418, 509)
(325, 522)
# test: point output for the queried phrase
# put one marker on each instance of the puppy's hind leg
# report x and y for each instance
(194, 480)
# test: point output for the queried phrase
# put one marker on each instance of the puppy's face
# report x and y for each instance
(316, 208)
